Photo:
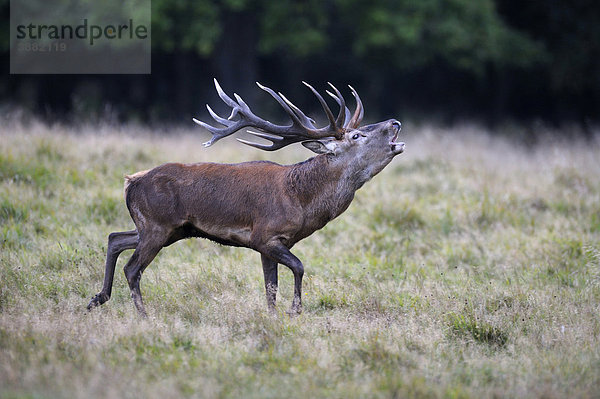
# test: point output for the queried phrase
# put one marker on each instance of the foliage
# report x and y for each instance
(406, 33)
(179, 25)
(571, 34)
(410, 34)
(296, 27)
(457, 58)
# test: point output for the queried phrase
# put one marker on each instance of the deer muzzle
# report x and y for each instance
(397, 146)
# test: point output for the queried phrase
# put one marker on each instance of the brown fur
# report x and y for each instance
(130, 178)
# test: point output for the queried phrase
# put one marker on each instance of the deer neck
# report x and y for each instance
(324, 186)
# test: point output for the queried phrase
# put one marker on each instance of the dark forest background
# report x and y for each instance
(492, 61)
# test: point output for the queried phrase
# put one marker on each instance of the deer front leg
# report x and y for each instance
(279, 253)
(270, 272)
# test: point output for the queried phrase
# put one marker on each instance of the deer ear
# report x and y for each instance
(320, 147)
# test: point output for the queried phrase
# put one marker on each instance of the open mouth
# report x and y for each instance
(397, 147)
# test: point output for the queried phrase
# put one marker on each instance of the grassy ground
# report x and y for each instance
(469, 268)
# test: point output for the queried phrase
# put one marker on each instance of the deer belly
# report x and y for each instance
(226, 235)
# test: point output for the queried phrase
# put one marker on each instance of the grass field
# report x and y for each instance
(469, 268)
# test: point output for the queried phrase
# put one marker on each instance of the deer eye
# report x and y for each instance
(356, 136)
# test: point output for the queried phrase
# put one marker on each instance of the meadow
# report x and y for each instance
(469, 268)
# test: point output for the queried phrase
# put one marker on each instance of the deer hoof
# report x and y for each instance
(97, 300)
(295, 311)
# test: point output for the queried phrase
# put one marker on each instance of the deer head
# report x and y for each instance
(368, 149)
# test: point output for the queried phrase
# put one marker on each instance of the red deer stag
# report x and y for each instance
(259, 205)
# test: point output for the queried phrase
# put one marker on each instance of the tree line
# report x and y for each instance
(450, 60)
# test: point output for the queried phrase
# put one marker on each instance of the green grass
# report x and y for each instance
(469, 268)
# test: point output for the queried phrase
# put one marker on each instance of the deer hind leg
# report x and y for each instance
(279, 253)
(117, 243)
(145, 252)
(270, 272)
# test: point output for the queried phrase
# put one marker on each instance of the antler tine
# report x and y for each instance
(266, 147)
(216, 132)
(332, 123)
(341, 118)
(217, 118)
(358, 112)
(276, 142)
(226, 99)
(347, 113)
(284, 105)
(307, 120)
(266, 136)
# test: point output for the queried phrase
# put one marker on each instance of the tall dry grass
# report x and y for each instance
(469, 268)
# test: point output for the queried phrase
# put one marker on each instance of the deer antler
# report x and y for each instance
(352, 122)
(302, 127)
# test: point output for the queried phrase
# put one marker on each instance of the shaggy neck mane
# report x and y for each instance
(321, 187)
(306, 179)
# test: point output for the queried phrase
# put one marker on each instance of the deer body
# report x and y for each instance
(259, 205)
